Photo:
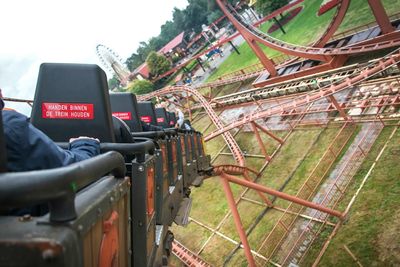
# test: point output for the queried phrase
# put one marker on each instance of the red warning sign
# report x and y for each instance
(68, 111)
(146, 119)
(160, 119)
(125, 116)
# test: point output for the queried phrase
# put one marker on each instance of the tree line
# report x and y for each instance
(189, 20)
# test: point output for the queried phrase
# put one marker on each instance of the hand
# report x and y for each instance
(83, 138)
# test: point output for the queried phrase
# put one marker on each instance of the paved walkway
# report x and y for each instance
(217, 61)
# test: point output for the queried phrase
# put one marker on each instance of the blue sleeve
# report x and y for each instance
(30, 149)
(81, 149)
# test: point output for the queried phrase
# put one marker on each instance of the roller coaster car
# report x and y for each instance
(187, 140)
(124, 106)
(203, 160)
(87, 220)
(72, 100)
(171, 119)
(176, 170)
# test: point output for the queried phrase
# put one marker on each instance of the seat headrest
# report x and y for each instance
(162, 119)
(124, 106)
(172, 119)
(122, 131)
(147, 113)
(72, 100)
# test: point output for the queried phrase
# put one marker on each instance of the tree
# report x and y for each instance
(214, 15)
(266, 7)
(141, 87)
(113, 83)
(133, 61)
(196, 13)
(157, 63)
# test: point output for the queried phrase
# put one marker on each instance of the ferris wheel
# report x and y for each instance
(113, 62)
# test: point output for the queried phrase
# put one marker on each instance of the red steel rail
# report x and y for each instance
(230, 38)
(387, 40)
(188, 257)
(370, 70)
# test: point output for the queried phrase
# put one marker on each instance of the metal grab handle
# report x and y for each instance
(129, 149)
(143, 139)
(151, 134)
(58, 186)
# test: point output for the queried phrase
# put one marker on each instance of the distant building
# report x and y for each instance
(140, 73)
(176, 47)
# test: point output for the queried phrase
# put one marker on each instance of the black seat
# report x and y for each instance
(124, 106)
(172, 119)
(162, 118)
(147, 112)
(69, 206)
(73, 100)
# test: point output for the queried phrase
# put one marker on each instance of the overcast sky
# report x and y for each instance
(33, 32)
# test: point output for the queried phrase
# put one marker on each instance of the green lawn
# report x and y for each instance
(304, 29)
(372, 232)
(373, 222)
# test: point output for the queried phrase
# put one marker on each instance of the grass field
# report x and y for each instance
(303, 30)
(372, 231)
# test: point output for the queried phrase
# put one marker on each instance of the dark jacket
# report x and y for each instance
(30, 149)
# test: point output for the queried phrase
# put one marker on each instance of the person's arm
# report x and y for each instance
(80, 149)
(181, 118)
(30, 149)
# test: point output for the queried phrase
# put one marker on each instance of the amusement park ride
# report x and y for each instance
(312, 79)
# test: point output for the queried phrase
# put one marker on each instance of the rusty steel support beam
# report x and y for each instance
(264, 60)
(237, 220)
(260, 142)
(381, 16)
(285, 196)
(342, 113)
(188, 107)
(262, 196)
(269, 133)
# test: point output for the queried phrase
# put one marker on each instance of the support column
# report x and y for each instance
(285, 196)
(268, 132)
(260, 142)
(381, 16)
(238, 222)
(234, 47)
(332, 99)
(201, 64)
(265, 61)
(188, 107)
(261, 195)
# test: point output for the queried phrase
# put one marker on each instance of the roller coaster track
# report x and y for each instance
(316, 53)
(257, 69)
(188, 257)
(229, 139)
(370, 70)
(230, 38)
(312, 82)
(335, 23)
